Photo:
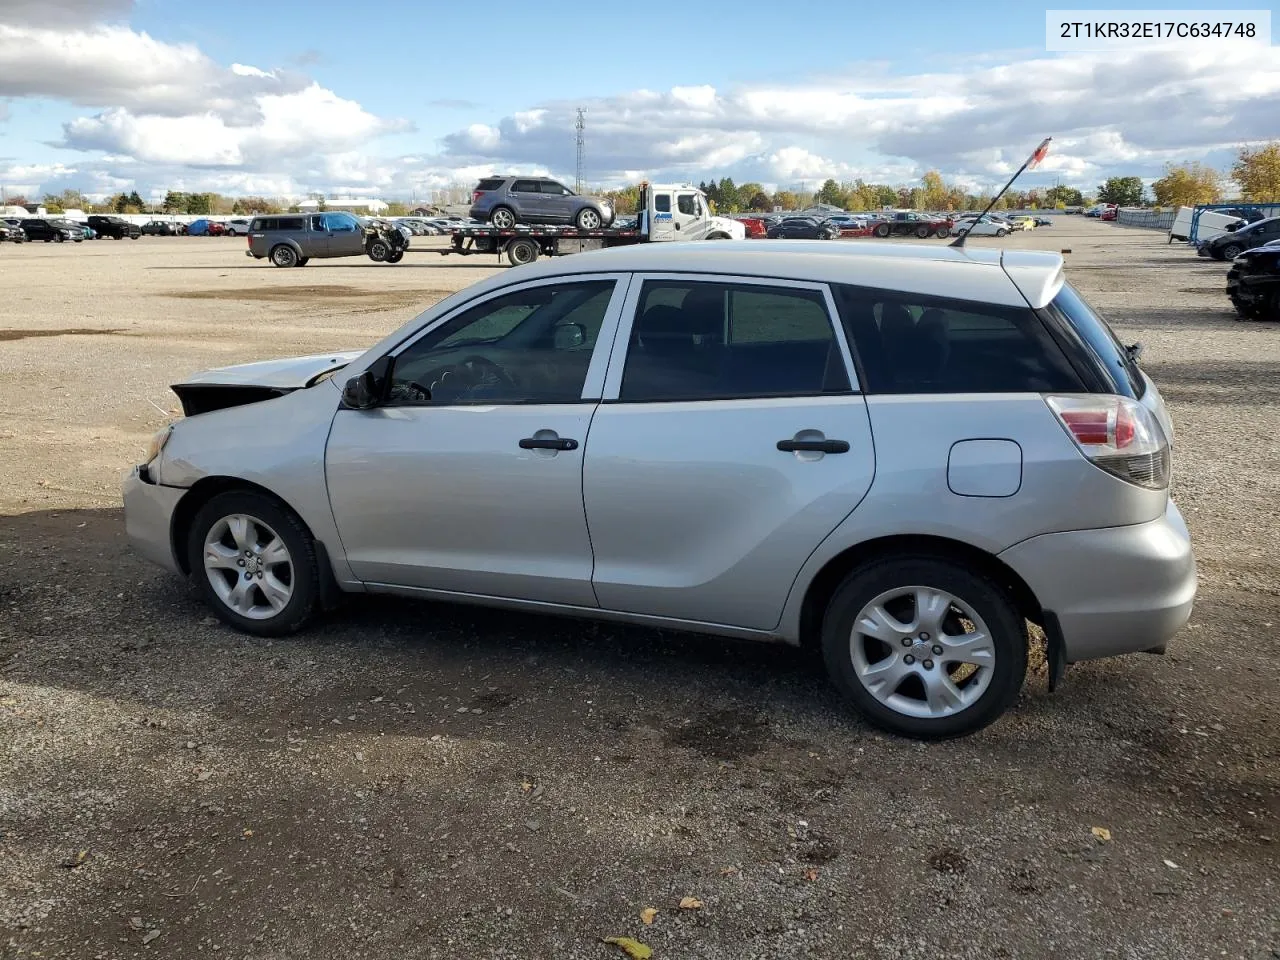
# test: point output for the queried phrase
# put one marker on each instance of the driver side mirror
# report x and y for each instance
(367, 390)
(566, 336)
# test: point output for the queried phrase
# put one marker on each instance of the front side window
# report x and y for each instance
(687, 203)
(694, 340)
(911, 343)
(529, 346)
(341, 223)
(553, 188)
(317, 223)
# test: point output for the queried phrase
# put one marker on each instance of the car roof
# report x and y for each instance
(972, 273)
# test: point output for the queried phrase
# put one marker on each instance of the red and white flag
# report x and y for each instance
(1039, 154)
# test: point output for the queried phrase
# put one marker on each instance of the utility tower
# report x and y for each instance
(581, 128)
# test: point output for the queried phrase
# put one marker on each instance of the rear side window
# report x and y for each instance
(910, 343)
(1120, 370)
(693, 340)
(492, 183)
(292, 223)
(525, 186)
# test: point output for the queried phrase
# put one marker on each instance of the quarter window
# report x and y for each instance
(909, 343)
(530, 346)
(705, 341)
(662, 203)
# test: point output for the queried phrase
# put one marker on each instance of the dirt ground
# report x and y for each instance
(410, 780)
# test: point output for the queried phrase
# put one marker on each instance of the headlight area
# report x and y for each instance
(149, 471)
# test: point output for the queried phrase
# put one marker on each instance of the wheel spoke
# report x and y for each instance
(239, 597)
(881, 625)
(975, 648)
(941, 693)
(276, 592)
(219, 556)
(931, 609)
(241, 528)
(883, 677)
(275, 552)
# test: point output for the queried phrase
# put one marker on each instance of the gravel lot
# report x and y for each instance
(418, 780)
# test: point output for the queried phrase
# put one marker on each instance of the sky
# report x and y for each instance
(405, 97)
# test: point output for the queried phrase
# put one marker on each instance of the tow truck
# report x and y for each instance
(667, 212)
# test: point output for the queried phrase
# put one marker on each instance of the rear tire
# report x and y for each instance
(216, 533)
(934, 696)
(520, 252)
(882, 230)
(588, 219)
(283, 255)
(504, 218)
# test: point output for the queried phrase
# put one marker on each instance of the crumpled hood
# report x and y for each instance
(288, 374)
(254, 382)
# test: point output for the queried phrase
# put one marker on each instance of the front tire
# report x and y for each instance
(882, 230)
(283, 255)
(883, 631)
(503, 218)
(379, 250)
(395, 257)
(303, 261)
(1002, 232)
(1231, 251)
(942, 232)
(254, 562)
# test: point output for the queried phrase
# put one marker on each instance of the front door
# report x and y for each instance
(689, 217)
(730, 441)
(346, 238)
(663, 224)
(468, 478)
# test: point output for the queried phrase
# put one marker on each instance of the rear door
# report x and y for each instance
(731, 440)
(526, 197)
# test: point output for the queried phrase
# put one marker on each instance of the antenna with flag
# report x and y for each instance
(1031, 163)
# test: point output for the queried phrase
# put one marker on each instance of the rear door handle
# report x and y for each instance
(549, 443)
(814, 446)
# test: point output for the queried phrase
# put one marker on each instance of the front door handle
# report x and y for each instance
(814, 446)
(548, 443)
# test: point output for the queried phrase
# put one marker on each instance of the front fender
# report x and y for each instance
(277, 444)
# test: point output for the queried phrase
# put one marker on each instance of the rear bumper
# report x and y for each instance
(1115, 590)
(148, 518)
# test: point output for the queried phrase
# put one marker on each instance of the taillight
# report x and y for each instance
(475, 195)
(1117, 434)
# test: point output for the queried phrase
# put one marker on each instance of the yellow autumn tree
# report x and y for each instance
(1187, 184)
(1257, 171)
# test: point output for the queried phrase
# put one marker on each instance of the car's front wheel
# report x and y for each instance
(1231, 251)
(882, 230)
(1002, 232)
(254, 562)
(924, 647)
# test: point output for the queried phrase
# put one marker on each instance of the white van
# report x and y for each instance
(1210, 225)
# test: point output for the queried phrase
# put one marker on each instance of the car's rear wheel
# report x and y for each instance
(882, 230)
(283, 255)
(255, 563)
(503, 218)
(925, 647)
(588, 219)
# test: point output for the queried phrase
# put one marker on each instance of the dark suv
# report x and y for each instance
(1228, 246)
(116, 228)
(506, 201)
(52, 230)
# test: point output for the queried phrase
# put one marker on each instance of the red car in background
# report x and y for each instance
(756, 227)
(1109, 213)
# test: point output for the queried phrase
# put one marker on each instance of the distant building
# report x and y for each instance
(353, 204)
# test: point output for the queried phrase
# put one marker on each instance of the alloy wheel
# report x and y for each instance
(248, 566)
(922, 652)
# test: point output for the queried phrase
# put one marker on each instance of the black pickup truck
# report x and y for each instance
(117, 228)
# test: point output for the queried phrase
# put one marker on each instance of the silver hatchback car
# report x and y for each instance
(898, 454)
